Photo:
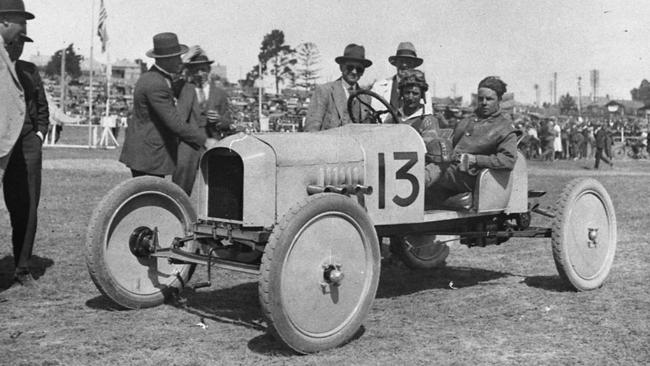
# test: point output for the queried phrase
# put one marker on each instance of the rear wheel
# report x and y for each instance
(420, 251)
(130, 220)
(319, 273)
(584, 234)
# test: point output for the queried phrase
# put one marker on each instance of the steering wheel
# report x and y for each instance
(374, 115)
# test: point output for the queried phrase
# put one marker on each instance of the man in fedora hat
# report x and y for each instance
(404, 60)
(13, 19)
(329, 103)
(206, 107)
(152, 137)
(22, 180)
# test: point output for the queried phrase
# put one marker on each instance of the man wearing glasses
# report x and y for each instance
(404, 60)
(329, 103)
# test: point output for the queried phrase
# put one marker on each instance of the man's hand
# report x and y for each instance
(213, 116)
(193, 51)
(467, 163)
(210, 143)
(40, 136)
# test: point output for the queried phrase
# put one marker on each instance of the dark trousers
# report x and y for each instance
(599, 157)
(187, 164)
(22, 191)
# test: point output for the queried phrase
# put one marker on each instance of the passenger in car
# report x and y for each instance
(486, 140)
(412, 89)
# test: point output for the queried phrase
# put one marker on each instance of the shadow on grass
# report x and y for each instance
(399, 280)
(266, 344)
(233, 305)
(38, 266)
(549, 283)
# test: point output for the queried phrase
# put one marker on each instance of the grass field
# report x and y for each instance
(509, 306)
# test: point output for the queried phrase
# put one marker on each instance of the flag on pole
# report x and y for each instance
(101, 25)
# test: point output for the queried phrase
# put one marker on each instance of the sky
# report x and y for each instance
(461, 41)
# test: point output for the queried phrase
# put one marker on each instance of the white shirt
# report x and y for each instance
(206, 91)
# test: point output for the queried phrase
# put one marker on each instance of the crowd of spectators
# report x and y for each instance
(574, 138)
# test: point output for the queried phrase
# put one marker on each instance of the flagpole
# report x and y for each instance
(109, 72)
(90, 88)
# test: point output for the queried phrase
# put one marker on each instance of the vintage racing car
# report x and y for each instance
(306, 211)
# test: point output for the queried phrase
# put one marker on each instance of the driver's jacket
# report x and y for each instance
(493, 140)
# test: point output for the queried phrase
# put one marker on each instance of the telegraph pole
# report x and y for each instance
(555, 88)
(579, 96)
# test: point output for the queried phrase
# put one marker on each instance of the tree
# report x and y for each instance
(280, 56)
(642, 93)
(308, 56)
(72, 63)
(567, 104)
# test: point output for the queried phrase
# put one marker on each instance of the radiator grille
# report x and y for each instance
(225, 184)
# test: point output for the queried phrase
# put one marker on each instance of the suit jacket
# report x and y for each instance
(384, 87)
(328, 107)
(37, 116)
(12, 105)
(196, 112)
(151, 139)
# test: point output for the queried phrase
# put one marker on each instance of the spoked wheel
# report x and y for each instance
(319, 273)
(374, 114)
(420, 251)
(128, 224)
(584, 234)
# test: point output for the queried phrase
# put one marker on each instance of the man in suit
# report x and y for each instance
(152, 137)
(13, 19)
(329, 103)
(404, 60)
(602, 145)
(206, 107)
(22, 180)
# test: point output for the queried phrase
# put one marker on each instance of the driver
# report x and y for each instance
(487, 140)
(329, 103)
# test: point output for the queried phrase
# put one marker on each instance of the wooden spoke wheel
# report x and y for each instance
(584, 234)
(319, 273)
(128, 224)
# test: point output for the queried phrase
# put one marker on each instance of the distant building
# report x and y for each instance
(125, 72)
(40, 60)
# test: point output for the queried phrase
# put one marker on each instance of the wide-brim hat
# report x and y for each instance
(406, 50)
(166, 45)
(354, 52)
(15, 7)
(198, 60)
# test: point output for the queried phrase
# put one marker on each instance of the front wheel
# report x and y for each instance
(319, 273)
(584, 234)
(133, 218)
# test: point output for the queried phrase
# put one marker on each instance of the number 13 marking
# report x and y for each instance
(411, 158)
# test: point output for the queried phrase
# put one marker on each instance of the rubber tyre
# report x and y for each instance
(302, 310)
(583, 205)
(619, 152)
(410, 250)
(129, 281)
